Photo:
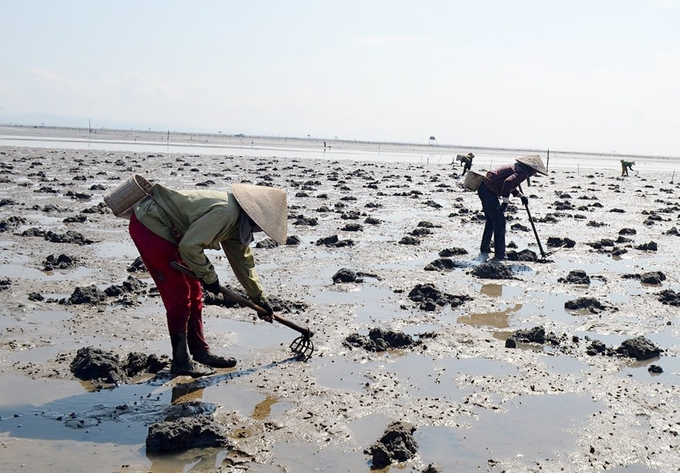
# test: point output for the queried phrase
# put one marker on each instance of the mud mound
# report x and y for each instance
(652, 277)
(379, 340)
(430, 297)
(186, 433)
(532, 335)
(137, 266)
(455, 251)
(524, 255)
(443, 264)
(589, 303)
(669, 297)
(59, 262)
(576, 276)
(85, 295)
(396, 445)
(556, 242)
(639, 348)
(334, 241)
(492, 271)
(94, 364)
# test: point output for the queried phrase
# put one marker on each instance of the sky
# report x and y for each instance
(580, 75)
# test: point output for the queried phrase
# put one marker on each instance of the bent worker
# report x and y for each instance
(466, 161)
(500, 183)
(625, 166)
(178, 225)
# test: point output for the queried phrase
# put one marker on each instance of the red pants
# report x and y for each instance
(181, 295)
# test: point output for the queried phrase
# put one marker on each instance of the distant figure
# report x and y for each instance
(466, 161)
(625, 166)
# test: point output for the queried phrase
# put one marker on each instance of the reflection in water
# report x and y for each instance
(493, 319)
(264, 409)
(492, 290)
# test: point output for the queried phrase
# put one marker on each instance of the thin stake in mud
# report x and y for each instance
(302, 346)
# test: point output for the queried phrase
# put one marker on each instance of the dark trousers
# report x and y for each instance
(495, 222)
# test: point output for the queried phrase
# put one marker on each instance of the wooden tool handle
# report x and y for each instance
(246, 302)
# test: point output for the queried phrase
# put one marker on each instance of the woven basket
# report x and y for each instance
(473, 180)
(125, 196)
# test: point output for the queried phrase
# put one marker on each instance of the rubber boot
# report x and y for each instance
(208, 358)
(182, 364)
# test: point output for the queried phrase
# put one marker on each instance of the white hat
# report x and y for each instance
(266, 206)
(534, 162)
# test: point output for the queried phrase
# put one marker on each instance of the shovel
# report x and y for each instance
(301, 346)
(531, 220)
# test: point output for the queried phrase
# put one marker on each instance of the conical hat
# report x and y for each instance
(534, 162)
(267, 206)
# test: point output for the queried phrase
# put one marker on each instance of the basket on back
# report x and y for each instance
(125, 196)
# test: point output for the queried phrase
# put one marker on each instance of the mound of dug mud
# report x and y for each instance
(380, 340)
(186, 433)
(396, 445)
(493, 271)
(430, 297)
(94, 364)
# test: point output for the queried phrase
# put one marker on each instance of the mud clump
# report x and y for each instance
(576, 276)
(556, 242)
(455, 251)
(85, 295)
(346, 275)
(640, 348)
(443, 264)
(524, 255)
(585, 303)
(396, 445)
(137, 266)
(94, 364)
(492, 271)
(68, 237)
(334, 242)
(59, 262)
(186, 433)
(379, 340)
(652, 277)
(669, 297)
(533, 335)
(430, 297)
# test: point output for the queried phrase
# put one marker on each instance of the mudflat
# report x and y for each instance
(562, 358)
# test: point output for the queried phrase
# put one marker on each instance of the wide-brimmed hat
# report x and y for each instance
(266, 206)
(534, 162)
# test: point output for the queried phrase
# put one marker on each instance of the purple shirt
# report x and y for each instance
(505, 180)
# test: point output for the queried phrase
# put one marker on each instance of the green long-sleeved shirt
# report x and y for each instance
(204, 220)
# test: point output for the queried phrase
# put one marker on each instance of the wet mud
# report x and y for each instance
(427, 355)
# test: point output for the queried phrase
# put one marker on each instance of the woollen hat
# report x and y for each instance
(534, 162)
(266, 206)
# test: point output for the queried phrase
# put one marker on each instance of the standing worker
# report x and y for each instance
(500, 183)
(466, 161)
(178, 225)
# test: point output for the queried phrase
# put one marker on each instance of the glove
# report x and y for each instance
(264, 303)
(503, 207)
(524, 199)
(213, 287)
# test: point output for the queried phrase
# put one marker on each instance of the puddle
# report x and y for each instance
(119, 250)
(490, 319)
(564, 365)
(527, 429)
(499, 290)
(17, 271)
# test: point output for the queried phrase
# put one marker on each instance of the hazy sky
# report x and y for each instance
(572, 75)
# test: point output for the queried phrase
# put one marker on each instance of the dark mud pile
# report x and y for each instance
(411, 325)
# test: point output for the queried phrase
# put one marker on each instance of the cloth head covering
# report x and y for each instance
(266, 206)
(534, 162)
